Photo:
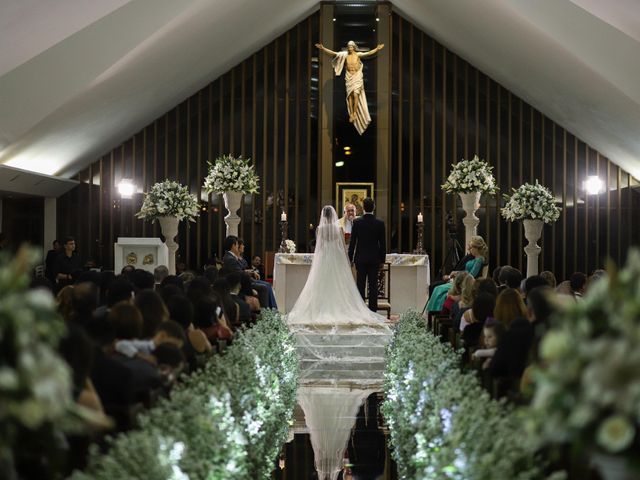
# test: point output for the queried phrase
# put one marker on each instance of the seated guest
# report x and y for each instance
(467, 295)
(509, 278)
(244, 311)
(232, 262)
(119, 290)
(534, 281)
(171, 363)
(153, 311)
(64, 301)
(509, 306)
(578, 283)
(482, 309)
(512, 354)
(142, 280)
(256, 265)
(209, 318)
(173, 280)
(181, 310)
(199, 287)
(491, 334)
(160, 273)
(248, 294)
(455, 293)
(50, 261)
(478, 249)
(549, 277)
(167, 332)
(230, 308)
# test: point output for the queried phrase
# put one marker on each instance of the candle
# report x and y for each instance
(420, 217)
(283, 217)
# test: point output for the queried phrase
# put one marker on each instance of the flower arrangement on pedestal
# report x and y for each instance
(588, 383)
(531, 202)
(230, 174)
(169, 199)
(470, 179)
(470, 176)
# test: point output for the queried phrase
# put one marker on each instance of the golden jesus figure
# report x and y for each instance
(354, 80)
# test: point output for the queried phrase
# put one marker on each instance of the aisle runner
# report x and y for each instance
(339, 368)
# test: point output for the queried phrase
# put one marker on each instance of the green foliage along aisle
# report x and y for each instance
(443, 424)
(226, 421)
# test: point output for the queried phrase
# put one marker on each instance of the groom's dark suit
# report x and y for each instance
(367, 249)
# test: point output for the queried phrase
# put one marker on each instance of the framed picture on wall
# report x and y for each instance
(352, 193)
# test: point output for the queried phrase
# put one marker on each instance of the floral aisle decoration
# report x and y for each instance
(442, 423)
(588, 383)
(232, 177)
(535, 206)
(169, 199)
(230, 174)
(470, 179)
(228, 420)
(35, 382)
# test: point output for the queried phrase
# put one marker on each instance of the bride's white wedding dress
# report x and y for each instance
(341, 344)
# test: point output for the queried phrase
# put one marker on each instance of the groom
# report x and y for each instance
(367, 250)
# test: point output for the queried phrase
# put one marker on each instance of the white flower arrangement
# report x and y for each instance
(533, 202)
(169, 199)
(231, 174)
(471, 176)
(588, 383)
(290, 246)
(228, 420)
(443, 424)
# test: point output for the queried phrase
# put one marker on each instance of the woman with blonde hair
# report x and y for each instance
(480, 252)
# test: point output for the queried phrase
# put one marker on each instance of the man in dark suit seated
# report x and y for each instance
(233, 262)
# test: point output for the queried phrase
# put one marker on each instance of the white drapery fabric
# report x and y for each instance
(354, 83)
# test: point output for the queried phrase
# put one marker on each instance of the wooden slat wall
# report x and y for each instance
(264, 108)
(463, 112)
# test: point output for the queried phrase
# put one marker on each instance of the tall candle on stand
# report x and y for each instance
(420, 218)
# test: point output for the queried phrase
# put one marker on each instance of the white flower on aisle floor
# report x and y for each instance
(470, 176)
(588, 382)
(290, 245)
(531, 202)
(230, 174)
(169, 199)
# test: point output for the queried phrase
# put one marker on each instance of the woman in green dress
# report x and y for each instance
(478, 248)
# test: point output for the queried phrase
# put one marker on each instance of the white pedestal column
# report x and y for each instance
(470, 204)
(169, 227)
(532, 232)
(232, 202)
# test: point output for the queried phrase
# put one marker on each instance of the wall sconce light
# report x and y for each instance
(126, 188)
(594, 185)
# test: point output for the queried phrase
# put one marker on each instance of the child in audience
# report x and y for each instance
(492, 332)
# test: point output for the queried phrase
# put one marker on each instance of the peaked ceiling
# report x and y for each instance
(77, 77)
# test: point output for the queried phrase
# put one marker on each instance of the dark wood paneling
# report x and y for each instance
(463, 112)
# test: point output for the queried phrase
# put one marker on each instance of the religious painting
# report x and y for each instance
(352, 193)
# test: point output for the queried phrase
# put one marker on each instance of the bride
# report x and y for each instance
(330, 296)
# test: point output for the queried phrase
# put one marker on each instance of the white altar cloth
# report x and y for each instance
(410, 277)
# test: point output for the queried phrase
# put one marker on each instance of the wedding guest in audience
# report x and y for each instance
(142, 280)
(173, 280)
(187, 277)
(181, 310)
(509, 306)
(483, 306)
(127, 324)
(85, 301)
(127, 271)
(119, 290)
(256, 264)
(492, 332)
(199, 287)
(211, 273)
(153, 311)
(50, 261)
(160, 273)
(509, 278)
(230, 309)
(249, 295)
(181, 267)
(454, 294)
(578, 282)
(167, 332)
(64, 300)
(171, 363)
(480, 252)
(208, 318)
(244, 311)
(67, 264)
(467, 295)
(534, 281)
(496, 275)
(549, 277)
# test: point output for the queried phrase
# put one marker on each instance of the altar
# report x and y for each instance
(410, 277)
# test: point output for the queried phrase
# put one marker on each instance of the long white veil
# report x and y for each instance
(341, 344)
